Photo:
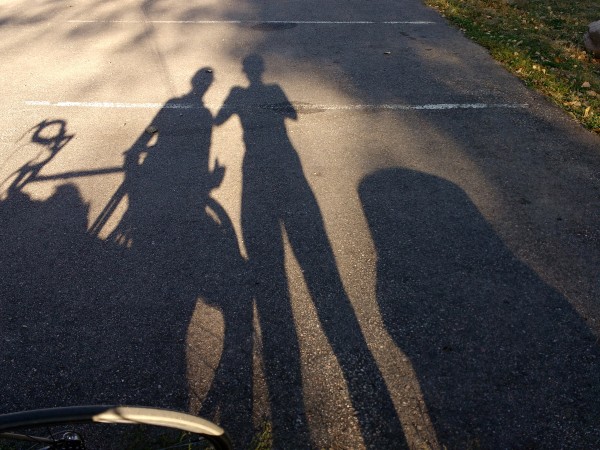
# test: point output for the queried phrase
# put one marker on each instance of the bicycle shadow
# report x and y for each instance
(50, 266)
(493, 346)
(87, 320)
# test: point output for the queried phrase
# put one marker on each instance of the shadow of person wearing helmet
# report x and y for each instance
(181, 246)
(167, 172)
(277, 202)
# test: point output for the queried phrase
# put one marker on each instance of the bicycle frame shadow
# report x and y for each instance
(89, 321)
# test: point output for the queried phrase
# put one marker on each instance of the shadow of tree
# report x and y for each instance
(502, 358)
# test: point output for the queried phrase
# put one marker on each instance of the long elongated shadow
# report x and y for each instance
(502, 358)
(182, 237)
(276, 196)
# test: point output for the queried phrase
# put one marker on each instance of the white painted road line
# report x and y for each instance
(439, 106)
(259, 22)
(301, 107)
(109, 105)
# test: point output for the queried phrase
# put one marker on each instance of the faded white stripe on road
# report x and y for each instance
(108, 105)
(259, 22)
(300, 106)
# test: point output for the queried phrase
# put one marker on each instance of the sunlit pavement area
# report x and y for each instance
(338, 221)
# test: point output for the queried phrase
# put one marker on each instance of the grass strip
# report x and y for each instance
(541, 42)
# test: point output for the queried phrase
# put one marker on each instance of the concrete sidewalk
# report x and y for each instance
(385, 240)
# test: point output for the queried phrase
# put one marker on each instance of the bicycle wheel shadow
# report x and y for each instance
(501, 357)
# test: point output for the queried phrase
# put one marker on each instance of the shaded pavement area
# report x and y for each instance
(341, 223)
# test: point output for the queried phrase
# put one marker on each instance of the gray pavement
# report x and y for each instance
(343, 219)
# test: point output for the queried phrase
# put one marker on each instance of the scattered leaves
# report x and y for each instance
(542, 42)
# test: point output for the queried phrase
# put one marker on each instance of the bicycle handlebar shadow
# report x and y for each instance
(51, 137)
(501, 357)
(277, 202)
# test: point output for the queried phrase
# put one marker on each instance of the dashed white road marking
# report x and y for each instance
(302, 107)
(109, 105)
(258, 22)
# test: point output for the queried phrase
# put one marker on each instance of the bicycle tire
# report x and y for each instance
(99, 414)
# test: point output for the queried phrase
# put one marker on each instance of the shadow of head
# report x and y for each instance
(202, 80)
(253, 66)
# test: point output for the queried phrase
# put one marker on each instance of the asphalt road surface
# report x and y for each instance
(340, 221)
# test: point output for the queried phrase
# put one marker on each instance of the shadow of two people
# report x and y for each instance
(448, 289)
(181, 245)
(278, 203)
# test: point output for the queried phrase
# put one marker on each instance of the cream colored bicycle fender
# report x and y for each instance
(150, 416)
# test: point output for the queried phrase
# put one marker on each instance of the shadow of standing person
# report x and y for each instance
(277, 201)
